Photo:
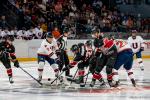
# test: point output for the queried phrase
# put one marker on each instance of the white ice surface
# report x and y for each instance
(25, 88)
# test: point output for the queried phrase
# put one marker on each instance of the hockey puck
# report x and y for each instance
(49, 79)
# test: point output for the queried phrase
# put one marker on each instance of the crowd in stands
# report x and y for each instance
(81, 16)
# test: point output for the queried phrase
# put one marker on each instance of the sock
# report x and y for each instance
(140, 61)
(81, 75)
(130, 74)
(115, 75)
(9, 72)
(97, 76)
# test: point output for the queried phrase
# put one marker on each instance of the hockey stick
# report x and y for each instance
(73, 80)
(56, 77)
(74, 75)
(75, 72)
(87, 76)
(30, 75)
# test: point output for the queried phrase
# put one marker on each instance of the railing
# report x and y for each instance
(117, 35)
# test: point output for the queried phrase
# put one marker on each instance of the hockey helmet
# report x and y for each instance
(66, 30)
(74, 47)
(98, 43)
(95, 31)
(49, 35)
(88, 42)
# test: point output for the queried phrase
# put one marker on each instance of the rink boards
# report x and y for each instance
(26, 50)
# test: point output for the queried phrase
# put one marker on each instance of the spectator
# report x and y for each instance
(3, 22)
(129, 23)
(56, 33)
(58, 8)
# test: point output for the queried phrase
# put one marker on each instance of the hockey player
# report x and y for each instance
(106, 54)
(137, 45)
(7, 54)
(83, 53)
(62, 53)
(46, 52)
(125, 58)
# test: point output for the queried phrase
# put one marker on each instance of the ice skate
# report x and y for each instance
(11, 80)
(111, 84)
(142, 68)
(92, 83)
(133, 82)
(102, 83)
(39, 78)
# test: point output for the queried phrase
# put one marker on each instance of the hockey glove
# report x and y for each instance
(142, 49)
(16, 64)
(58, 52)
(67, 68)
(64, 69)
(58, 61)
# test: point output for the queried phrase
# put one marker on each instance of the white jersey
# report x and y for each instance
(12, 32)
(7, 33)
(48, 49)
(21, 34)
(29, 33)
(38, 32)
(136, 44)
(3, 34)
(122, 45)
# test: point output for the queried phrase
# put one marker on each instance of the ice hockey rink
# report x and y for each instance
(25, 88)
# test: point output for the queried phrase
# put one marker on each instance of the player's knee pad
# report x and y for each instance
(41, 65)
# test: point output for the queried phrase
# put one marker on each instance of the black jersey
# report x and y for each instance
(62, 42)
(84, 53)
(5, 46)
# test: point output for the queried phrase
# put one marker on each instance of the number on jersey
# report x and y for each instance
(135, 45)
